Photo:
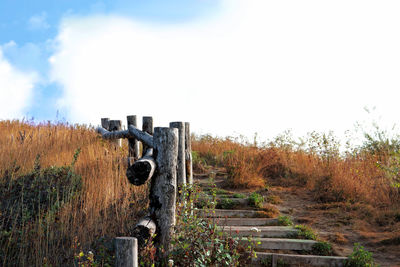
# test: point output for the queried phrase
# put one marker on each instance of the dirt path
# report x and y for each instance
(335, 223)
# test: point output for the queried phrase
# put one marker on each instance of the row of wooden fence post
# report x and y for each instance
(173, 158)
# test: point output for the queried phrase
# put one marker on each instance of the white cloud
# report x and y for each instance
(16, 89)
(259, 66)
(38, 22)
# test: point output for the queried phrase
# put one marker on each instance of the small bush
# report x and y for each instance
(360, 257)
(322, 248)
(285, 221)
(305, 232)
(256, 200)
(199, 242)
(238, 195)
(226, 203)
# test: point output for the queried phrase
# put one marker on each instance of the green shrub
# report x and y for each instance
(199, 242)
(238, 195)
(33, 199)
(285, 220)
(322, 248)
(226, 203)
(360, 257)
(256, 200)
(305, 232)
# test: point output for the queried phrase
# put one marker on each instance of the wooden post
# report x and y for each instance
(147, 126)
(116, 125)
(163, 184)
(133, 142)
(188, 154)
(105, 123)
(126, 252)
(181, 168)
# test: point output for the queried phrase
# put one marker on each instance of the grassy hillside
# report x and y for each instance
(64, 191)
(360, 176)
(362, 183)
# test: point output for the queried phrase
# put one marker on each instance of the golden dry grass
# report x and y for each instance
(355, 178)
(106, 206)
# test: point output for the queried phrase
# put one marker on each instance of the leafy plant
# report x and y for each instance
(305, 232)
(285, 220)
(322, 248)
(238, 195)
(392, 168)
(226, 203)
(256, 200)
(199, 241)
(360, 257)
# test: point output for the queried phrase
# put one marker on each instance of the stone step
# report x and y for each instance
(221, 213)
(285, 244)
(271, 259)
(260, 231)
(226, 203)
(247, 221)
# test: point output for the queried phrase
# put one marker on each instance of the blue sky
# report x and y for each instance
(228, 66)
(28, 29)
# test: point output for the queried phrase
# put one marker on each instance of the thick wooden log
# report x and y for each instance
(126, 252)
(142, 170)
(115, 126)
(144, 229)
(144, 137)
(163, 187)
(181, 167)
(133, 142)
(112, 135)
(188, 154)
(105, 123)
(147, 126)
(131, 132)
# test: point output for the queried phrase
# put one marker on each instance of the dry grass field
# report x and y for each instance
(64, 190)
(53, 208)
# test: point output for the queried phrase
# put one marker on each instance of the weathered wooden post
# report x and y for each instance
(126, 249)
(116, 125)
(147, 126)
(181, 167)
(188, 154)
(133, 142)
(105, 123)
(163, 185)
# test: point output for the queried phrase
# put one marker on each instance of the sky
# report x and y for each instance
(229, 67)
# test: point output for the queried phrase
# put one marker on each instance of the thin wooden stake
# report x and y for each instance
(105, 123)
(116, 125)
(147, 126)
(188, 154)
(133, 142)
(181, 168)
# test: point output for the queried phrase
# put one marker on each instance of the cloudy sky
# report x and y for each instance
(227, 66)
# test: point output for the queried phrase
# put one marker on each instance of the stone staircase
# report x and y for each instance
(277, 245)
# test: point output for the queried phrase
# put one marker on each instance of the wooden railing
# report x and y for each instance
(166, 162)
